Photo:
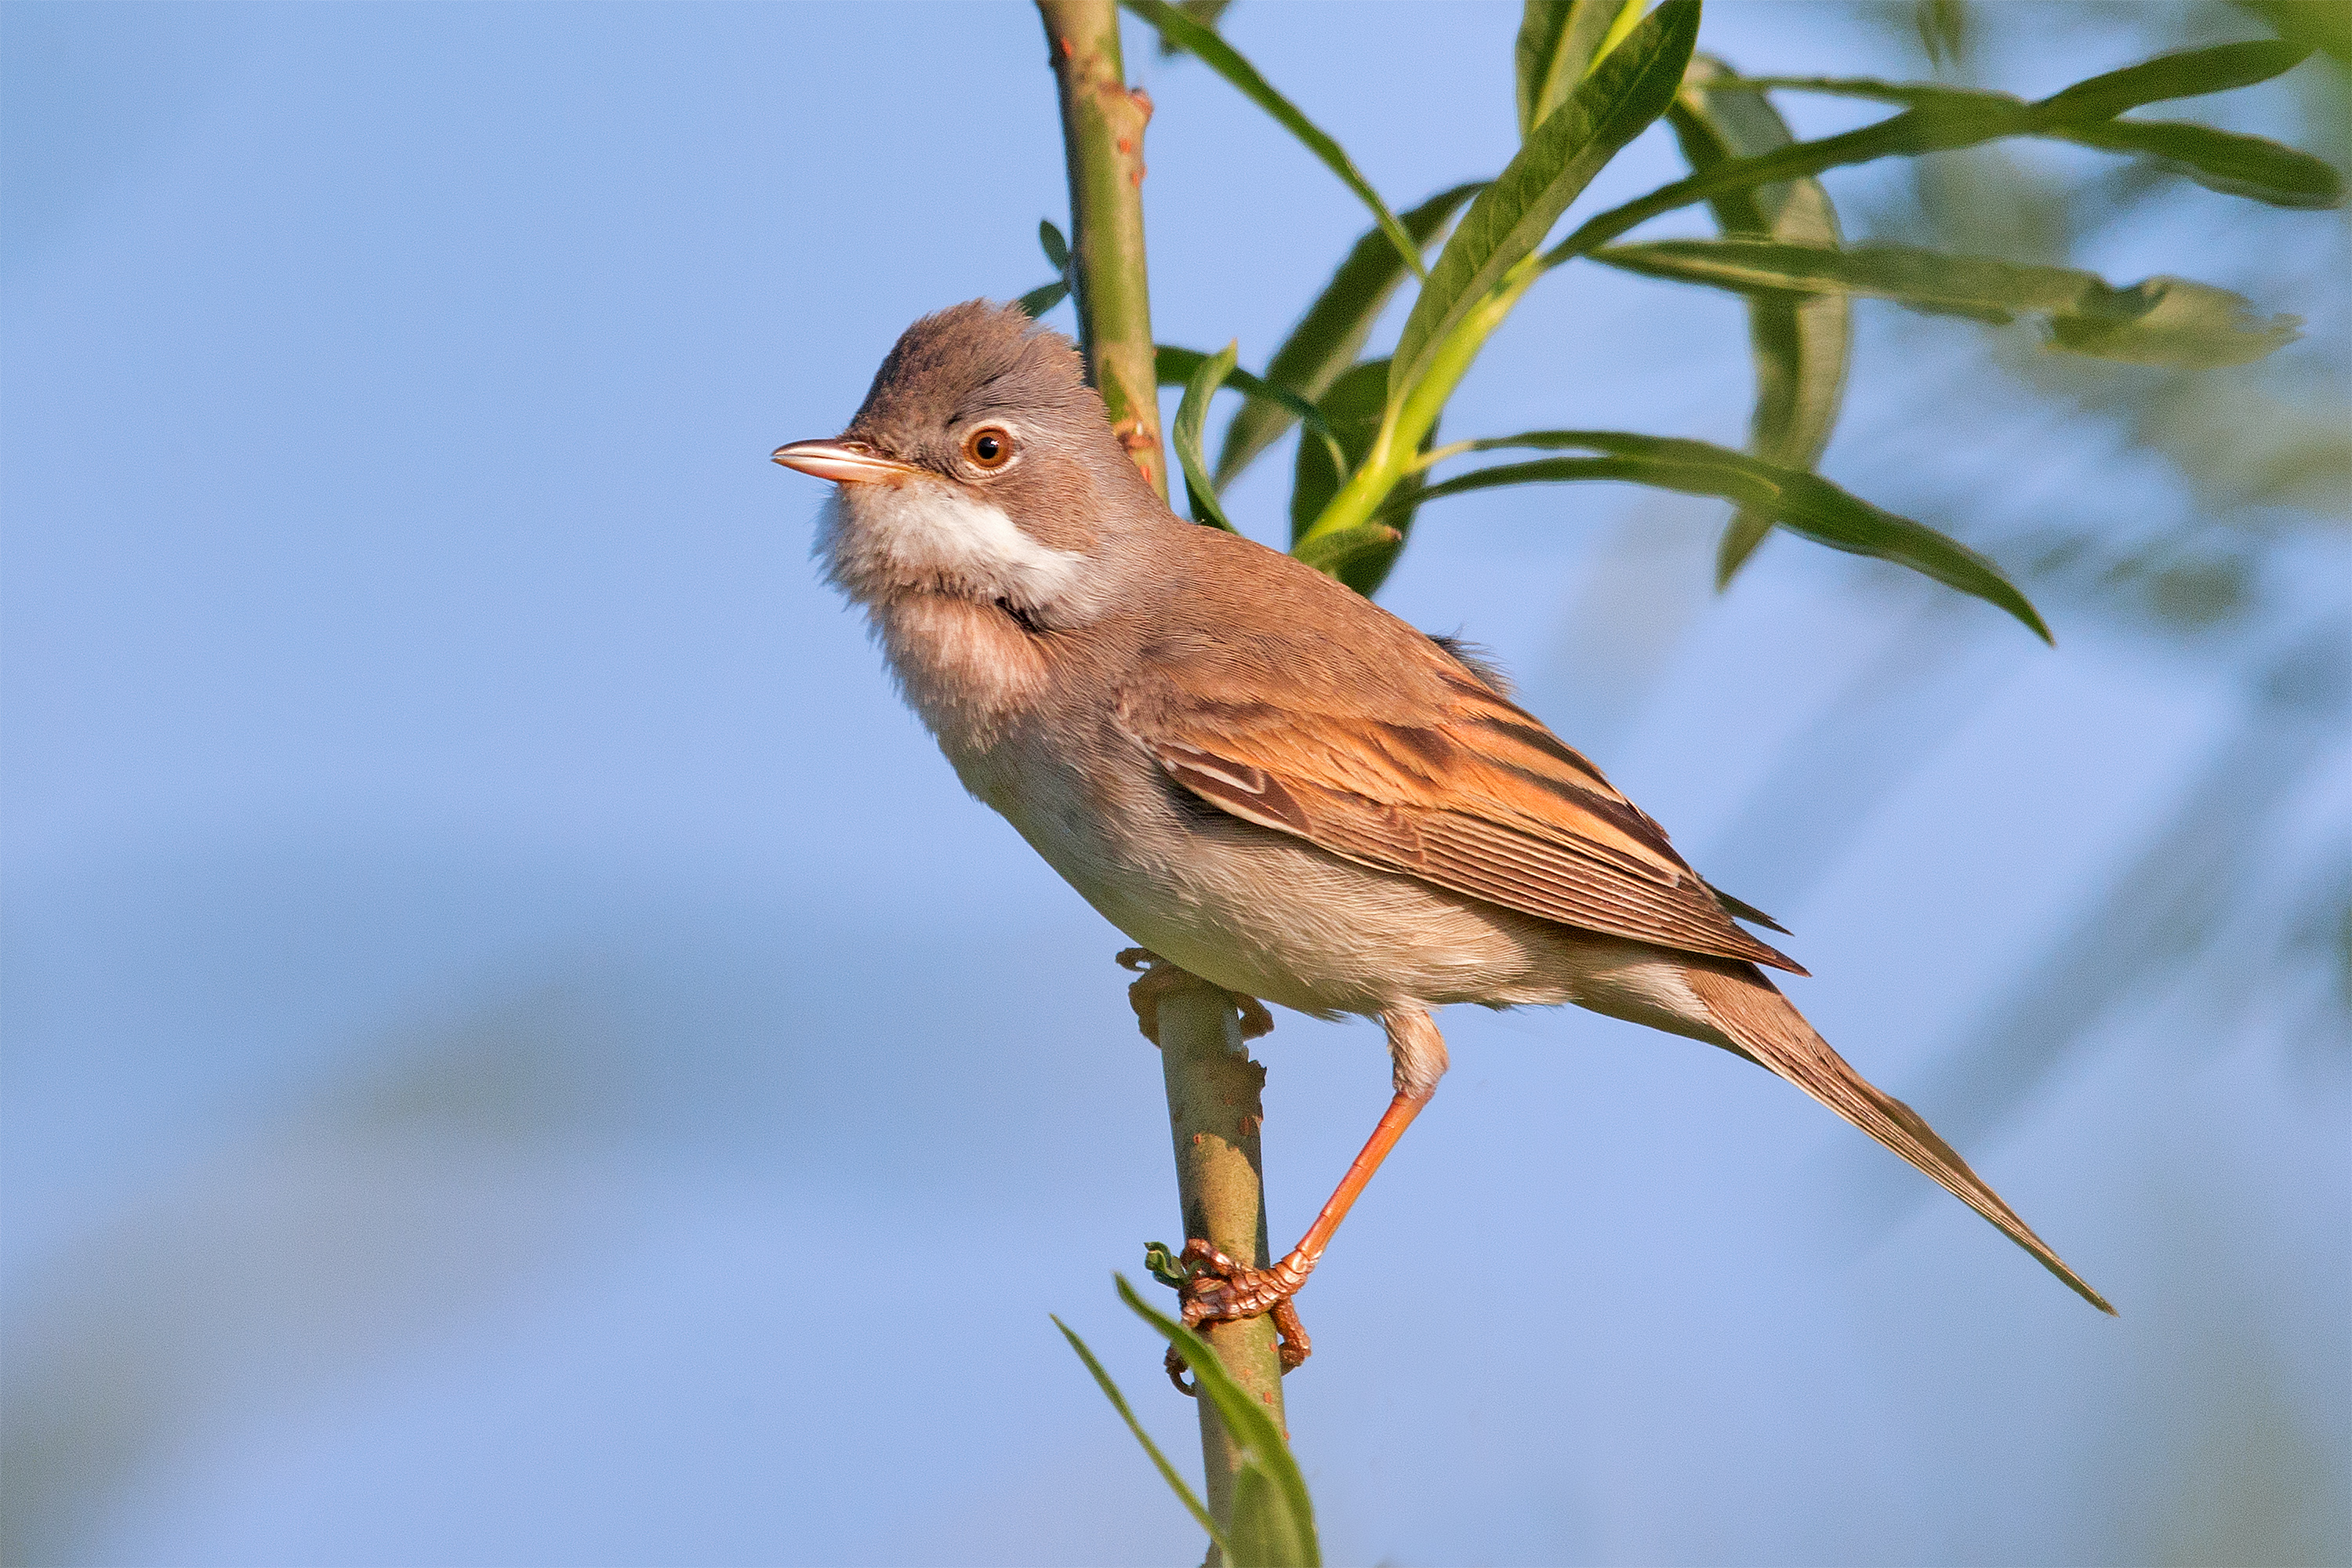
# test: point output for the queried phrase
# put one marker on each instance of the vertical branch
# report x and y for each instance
(1102, 133)
(1212, 1084)
(1214, 1112)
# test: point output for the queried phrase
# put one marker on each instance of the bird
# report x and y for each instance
(1264, 778)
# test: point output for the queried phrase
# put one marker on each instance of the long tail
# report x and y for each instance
(1772, 1032)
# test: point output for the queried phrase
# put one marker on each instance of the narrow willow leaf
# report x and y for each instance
(1368, 549)
(1159, 1460)
(1332, 333)
(1174, 367)
(1803, 503)
(1226, 61)
(1559, 42)
(1191, 413)
(2322, 23)
(1206, 12)
(1802, 346)
(1042, 298)
(1057, 248)
(1942, 120)
(1274, 1518)
(2189, 73)
(2225, 161)
(1629, 88)
(1362, 556)
(2158, 320)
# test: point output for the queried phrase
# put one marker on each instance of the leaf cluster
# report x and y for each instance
(1589, 76)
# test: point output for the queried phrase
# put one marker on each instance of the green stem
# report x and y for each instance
(1102, 135)
(1213, 1113)
(1212, 1085)
(1396, 451)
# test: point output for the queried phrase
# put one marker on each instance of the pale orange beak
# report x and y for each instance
(843, 462)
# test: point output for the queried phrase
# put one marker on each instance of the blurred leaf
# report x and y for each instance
(1205, 379)
(1941, 119)
(1803, 503)
(1042, 298)
(2225, 161)
(1630, 88)
(1159, 1460)
(1943, 28)
(1205, 11)
(1174, 366)
(2222, 161)
(1274, 1518)
(2323, 24)
(1057, 248)
(1332, 333)
(1801, 347)
(1559, 42)
(1360, 557)
(2189, 73)
(1221, 57)
(2158, 320)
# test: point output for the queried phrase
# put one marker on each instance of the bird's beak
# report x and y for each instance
(845, 462)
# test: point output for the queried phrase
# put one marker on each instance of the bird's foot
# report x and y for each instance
(1217, 1289)
(1162, 979)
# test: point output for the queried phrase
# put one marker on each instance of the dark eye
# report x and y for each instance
(988, 448)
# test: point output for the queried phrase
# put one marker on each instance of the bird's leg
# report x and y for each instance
(1221, 1289)
(1160, 977)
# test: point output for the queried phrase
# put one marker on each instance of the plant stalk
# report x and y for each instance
(1212, 1085)
(1102, 136)
(1396, 450)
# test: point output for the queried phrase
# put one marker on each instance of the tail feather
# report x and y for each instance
(1769, 1030)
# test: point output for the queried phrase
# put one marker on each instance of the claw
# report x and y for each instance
(1220, 1290)
(1160, 977)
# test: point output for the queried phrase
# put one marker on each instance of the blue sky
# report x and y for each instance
(517, 1049)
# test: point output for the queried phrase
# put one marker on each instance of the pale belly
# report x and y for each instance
(1274, 917)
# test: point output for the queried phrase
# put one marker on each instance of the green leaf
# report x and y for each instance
(1803, 503)
(2159, 320)
(1174, 367)
(1629, 88)
(1361, 557)
(2322, 23)
(1272, 1524)
(1366, 550)
(1206, 378)
(1160, 1460)
(2222, 161)
(1942, 120)
(1801, 347)
(1221, 57)
(1332, 333)
(2189, 73)
(2225, 161)
(1206, 12)
(1057, 248)
(1559, 42)
(1042, 298)
(1166, 1264)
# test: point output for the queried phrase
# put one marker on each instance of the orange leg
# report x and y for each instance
(1221, 1290)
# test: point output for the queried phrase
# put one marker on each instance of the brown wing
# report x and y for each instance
(1436, 775)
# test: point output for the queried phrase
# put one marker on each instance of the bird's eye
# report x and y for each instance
(988, 448)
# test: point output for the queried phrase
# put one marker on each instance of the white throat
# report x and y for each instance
(931, 535)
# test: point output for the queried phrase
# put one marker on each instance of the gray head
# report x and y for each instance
(981, 465)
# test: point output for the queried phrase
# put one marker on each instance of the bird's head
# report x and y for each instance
(981, 465)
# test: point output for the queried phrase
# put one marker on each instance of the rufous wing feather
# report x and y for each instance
(1467, 791)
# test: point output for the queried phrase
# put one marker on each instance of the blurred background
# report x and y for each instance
(518, 1051)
